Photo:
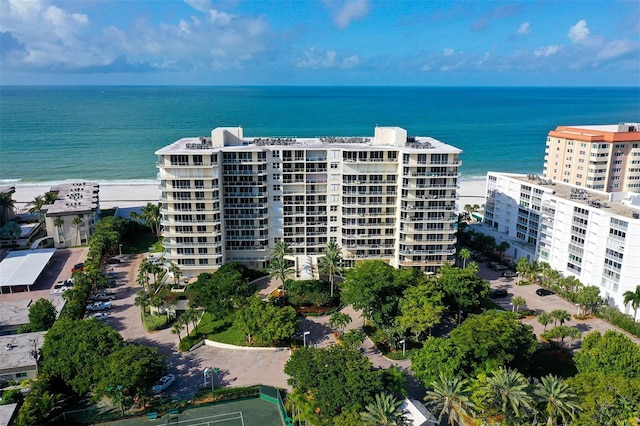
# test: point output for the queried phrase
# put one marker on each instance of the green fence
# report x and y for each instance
(271, 394)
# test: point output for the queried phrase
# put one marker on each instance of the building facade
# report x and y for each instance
(230, 198)
(70, 220)
(592, 235)
(606, 157)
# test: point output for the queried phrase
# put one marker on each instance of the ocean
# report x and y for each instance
(110, 133)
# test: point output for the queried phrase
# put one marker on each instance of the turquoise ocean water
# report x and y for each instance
(109, 133)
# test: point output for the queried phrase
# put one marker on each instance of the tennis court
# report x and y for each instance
(248, 412)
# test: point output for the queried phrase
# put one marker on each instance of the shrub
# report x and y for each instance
(155, 322)
(308, 293)
(189, 341)
(619, 319)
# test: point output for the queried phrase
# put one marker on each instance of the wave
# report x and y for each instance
(117, 182)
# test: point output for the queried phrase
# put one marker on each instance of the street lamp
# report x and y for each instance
(578, 307)
(304, 338)
(120, 249)
(459, 316)
(404, 347)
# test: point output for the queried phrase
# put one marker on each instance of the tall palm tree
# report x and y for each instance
(545, 319)
(152, 217)
(175, 271)
(36, 204)
(339, 321)
(509, 388)
(450, 396)
(464, 254)
(77, 221)
(560, 316)
(7, 204)
(558, 398)
(331, 263)
(58, 222)
(385, 411)
(634, 298)
(279, 268)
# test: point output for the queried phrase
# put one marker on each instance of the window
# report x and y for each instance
(334, 165)
(333, 218)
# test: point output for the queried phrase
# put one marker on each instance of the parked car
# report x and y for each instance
(102, 296)
(544, 292)
(77, 267)
(499, 267)
(99, 306)
(162, 384)
(113, 261)
(498, 292)
(101, 316)
(509, 274)
(111, 274)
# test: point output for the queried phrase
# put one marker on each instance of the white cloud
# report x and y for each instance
(579, 32)
(618, 48)
(547, 50)
(219, 18)
(200, 5)
(350, 10)
(448, 51)
(524, 29)
(317, 58)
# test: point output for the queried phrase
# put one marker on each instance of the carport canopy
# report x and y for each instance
(23, 267)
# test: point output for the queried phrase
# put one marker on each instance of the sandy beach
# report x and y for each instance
(139, 194)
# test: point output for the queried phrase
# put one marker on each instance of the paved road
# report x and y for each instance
(544, 304)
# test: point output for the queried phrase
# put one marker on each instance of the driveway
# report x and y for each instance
(544, 304)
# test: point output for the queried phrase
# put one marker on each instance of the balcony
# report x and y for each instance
(174, 222)
(171, 244)
(408, 252)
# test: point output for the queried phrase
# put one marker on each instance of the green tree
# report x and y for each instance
(152, 217)
(77, 221)
(502, 248)
(589, 298)
(36, 204)
(353, 339)
(74, 352)
(633, 297)
(522, 267)
(464, 254)
(609, 353)
(266, 324)
(280, 250)
(560, 316)
(376, 288)
(463, 288)
(420, 308)
(557, 398)
(562, 332)
(517, 302)
(337, 378)
(450, 396)
(509, 388)
(545, 319)
(142, 300)
(42, 315)
(175, 272)
(384, 411)
(223, 291)
(339, 321)
(13, 231)
(331, 262)
(133, 367)
(7, 205)
(279, 268)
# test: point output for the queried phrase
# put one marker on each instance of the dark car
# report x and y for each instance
(77, 267)
(113, 261)
(498, 292)
(544, 292)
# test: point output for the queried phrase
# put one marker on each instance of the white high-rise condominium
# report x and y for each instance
(231, 198)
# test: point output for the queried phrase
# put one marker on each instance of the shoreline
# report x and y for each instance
(134, 193)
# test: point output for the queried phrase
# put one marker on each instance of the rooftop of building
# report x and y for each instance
(382, 141)
(614, 203)
(78, 197)
(16, 350)
(16, 313)
(622, 132)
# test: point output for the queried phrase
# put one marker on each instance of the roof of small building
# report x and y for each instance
(16, 351)
(22, 267)
(73, 198)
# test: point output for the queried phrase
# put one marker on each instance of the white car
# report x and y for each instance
(99, 306)
(99, 316)
(164, 383)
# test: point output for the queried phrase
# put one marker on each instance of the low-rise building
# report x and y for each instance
(71, 218)
(19, 352)
(590, 234)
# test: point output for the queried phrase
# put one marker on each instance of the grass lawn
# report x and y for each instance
(141, 243)
(221, 330)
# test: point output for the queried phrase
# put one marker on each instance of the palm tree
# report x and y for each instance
(634, 298)
(560, 316)
(76, 222)
(13, 231)
(279, 268)
(152, 217)
(36, 204)
(280, 250)
(522, 267)
(464, 254)
(175, 271)
(384, 412)
(558, 398)
(545, 319)
(177, 329)
(58, 222)
(302, 407)
(518, 302)
(339, 321)
(331, 263)
(450, 396)
(510, 390)
(502, 248)
(7, 204)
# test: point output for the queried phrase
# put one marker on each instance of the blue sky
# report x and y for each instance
(320, 42)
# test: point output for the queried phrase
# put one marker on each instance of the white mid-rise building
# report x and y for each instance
(231, 198)
(590, 234)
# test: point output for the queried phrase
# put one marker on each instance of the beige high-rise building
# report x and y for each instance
(603, 157)
(231, 198)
